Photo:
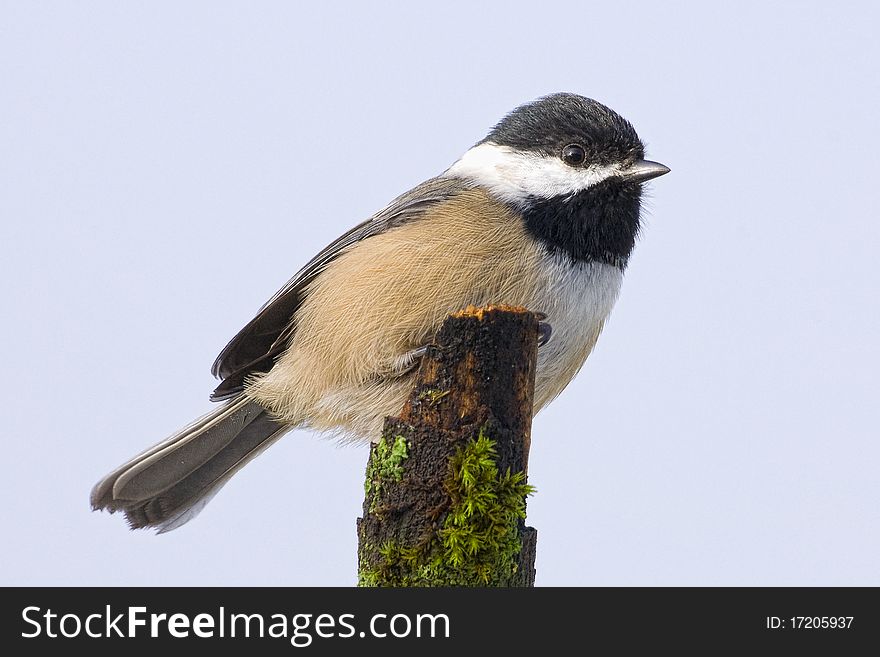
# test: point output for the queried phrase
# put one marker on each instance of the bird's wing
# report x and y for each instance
(256, 347)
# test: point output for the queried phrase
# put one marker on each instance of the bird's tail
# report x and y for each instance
(167, 485)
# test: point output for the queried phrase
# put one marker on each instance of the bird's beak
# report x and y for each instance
(645, 170)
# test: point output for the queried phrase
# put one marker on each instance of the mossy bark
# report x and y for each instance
(446, 483)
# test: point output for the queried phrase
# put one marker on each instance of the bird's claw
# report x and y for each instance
(544, 333)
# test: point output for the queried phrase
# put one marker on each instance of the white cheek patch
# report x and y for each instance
(514, 176)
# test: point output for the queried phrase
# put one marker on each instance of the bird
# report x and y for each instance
(542, 213)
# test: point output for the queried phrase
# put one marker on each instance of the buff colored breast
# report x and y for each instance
(345, 370)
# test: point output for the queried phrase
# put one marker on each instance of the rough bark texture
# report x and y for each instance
(445, 486)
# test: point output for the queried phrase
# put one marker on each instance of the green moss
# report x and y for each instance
(432, 395)
(479, 541)
(480, 536)
(386, 463)
(368, 577)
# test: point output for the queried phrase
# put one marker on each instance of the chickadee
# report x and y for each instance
(542, 213)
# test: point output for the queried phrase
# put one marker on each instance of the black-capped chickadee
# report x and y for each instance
(542, 213)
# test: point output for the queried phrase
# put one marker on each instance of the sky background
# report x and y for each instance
(166, 166)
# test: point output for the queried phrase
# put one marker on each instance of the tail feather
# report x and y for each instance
(167, 485)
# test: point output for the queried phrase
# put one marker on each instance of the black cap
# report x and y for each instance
(549, 124)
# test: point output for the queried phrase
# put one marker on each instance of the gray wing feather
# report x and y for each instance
(256, 346)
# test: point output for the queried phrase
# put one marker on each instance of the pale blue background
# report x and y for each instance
(165, 166)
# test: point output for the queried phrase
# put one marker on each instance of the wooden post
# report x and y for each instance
(446, 483)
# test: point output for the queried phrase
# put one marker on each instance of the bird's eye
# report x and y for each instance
(574, 155)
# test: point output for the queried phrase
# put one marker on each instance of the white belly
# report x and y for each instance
(577, 300)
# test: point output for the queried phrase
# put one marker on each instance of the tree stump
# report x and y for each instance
(445, 490)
